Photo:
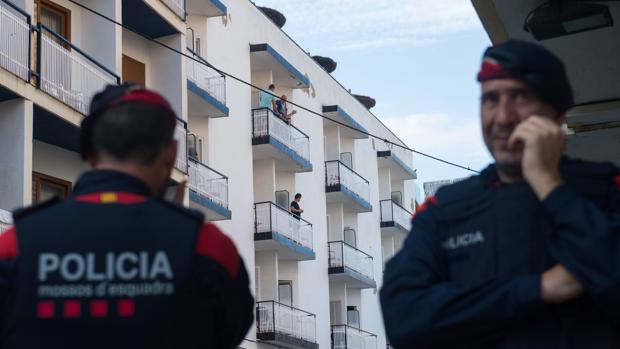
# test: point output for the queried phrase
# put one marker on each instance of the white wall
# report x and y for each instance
(57, 162)
(15, 159)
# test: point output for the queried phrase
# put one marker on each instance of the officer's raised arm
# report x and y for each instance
(422, 308)
(586, 236)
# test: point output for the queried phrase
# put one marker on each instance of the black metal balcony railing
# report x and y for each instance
(347, 337)
(266, 124)
(272, 218)
(296, 325)
(393, 212)
(337, 173)
(343, 255)
(208, 182)
(15, 42)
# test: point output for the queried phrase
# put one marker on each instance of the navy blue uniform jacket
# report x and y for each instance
(111, 267)
(469, 273)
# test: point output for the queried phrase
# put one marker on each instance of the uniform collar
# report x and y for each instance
(491, 178)
(109, 181)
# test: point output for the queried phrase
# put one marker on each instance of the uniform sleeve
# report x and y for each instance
(9, 252)
(423, 309)
(586, 241)
(226, 286)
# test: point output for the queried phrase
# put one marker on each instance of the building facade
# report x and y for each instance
(316, 278)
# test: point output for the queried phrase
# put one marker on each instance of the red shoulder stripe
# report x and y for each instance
(431, 200)
(617, 180)
(8, 244)
(214, 244)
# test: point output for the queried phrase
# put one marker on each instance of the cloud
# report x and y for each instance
(353, 25)
(456, 139)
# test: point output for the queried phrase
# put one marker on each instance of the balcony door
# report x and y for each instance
(134, 71)
(285, 292)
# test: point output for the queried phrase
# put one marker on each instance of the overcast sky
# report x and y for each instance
(417, 58)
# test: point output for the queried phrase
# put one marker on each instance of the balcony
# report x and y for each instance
(206, 89)
(180, 134)
(207, 8)
(350, 265)
(273, 138)
(276, 229)
(344, 185)
(347, 337)
(176, 6)
(208, 191)
(285, 326)
(14, 40)
(394, 218)
(67, 73)
(397, 159)
(264, 58)
(334, 115)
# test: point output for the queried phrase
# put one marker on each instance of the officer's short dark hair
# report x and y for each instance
(132, 132)
(298, 196)
(272, 86)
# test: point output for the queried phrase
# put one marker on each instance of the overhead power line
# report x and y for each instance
(207, 64)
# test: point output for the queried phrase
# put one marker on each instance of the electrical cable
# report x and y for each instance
(207, 64)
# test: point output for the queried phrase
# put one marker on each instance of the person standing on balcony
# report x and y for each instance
(114, 265)
(295, 209)
(527, 253)
(268, 100)
(282, 110)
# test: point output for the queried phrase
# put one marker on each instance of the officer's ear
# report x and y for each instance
(170, 153)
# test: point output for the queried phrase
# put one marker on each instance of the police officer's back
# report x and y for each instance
(114, 266)
(526, 254)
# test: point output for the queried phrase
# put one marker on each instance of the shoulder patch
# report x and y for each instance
(197, 215)
(213, 243)
(431, 200)
(8, 244)
(23, 212)
(617, 181)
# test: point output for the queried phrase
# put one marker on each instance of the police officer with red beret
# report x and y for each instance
(526, 254)
(114, 265)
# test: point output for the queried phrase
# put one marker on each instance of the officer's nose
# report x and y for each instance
(505, 112)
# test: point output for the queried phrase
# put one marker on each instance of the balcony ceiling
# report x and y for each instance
(264, 58)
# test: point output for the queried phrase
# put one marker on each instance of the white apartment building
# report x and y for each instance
(316, 279)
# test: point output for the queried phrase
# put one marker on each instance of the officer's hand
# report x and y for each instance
(559, 286)
(543, 143)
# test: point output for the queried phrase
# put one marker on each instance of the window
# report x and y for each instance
(282, 199)
(55, 17)
(285, 292)
(45, 187)
(353, 316)
(194, 147)
(397, 197)
(350, 237)
(347, 159)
